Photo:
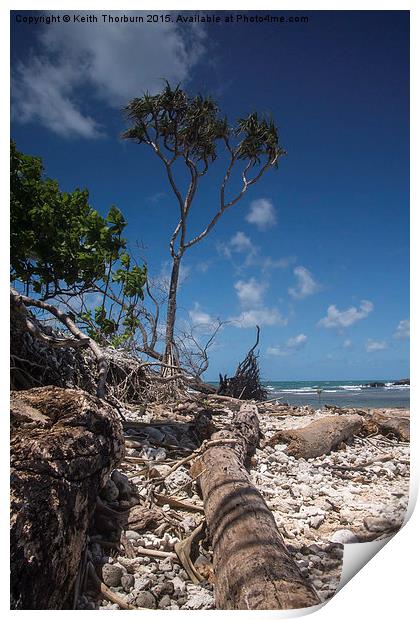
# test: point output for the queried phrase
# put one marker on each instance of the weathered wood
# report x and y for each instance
(253, 569)
(64, 444)
(318, 437)
(246, 384)
(387, 423)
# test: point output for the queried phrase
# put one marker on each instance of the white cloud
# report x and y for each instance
(113, 62)
(198, 317)
(156, 197)
(293, 344)
(42, 93)
(261, 213)
(240, 243)
(336, 318)
(250, 292)
(403, 330)
(374, 345)
(203, 266)
(280, 263)
(258, 316)
(305, 285)
(347, 344)
(297, 342)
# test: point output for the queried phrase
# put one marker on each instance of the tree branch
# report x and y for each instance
(72, 327)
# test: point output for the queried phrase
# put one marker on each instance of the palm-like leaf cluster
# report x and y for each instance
(192, 127)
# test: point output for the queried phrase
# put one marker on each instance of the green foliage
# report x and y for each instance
(192, 126)
(61, 245)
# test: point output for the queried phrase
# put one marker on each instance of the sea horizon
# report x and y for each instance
(343, 393)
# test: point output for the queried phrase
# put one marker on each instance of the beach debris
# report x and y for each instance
(246, 384)
(260, 574)
(318, 437)
(394, 424)
(343, 537)
(363, 488)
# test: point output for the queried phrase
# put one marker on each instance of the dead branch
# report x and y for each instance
(101, 359)
(246, 384)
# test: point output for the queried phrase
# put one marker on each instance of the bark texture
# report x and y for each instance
(318, 437)
(64, 444)
(386, 423)
(253, 569)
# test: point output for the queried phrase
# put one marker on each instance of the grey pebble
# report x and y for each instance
(146, 599)
(127, 582)
(111, 575)
(167, 587)
(344, 537)
(165, 602)
(131, 535)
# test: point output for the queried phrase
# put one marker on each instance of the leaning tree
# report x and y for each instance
(191, 131)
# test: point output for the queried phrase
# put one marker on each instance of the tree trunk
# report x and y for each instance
(386, 423)
(170, 354)
(253, 569)
(318, 437)
(64, 445)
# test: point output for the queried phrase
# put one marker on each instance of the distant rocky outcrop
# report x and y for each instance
(378, 384)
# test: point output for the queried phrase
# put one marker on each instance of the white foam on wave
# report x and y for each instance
(305, 390)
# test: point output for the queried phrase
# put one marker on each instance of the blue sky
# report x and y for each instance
(317, 252)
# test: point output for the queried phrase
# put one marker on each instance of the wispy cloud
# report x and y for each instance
(262, 214)
(156, 197)
(239, 244)
(259, 316)
(113, 63)
(198, 316)
(280, 263)
(42, 93)
(292, 345)
(305, 284)
(403, 330)
(347, 344)
(375, 345)
(345, 318)
(242, 247)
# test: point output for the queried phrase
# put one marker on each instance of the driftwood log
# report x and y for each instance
(318, 437)
(64, 444)
(253, 568)
(387, 423)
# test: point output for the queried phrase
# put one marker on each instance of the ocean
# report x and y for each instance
(342, 393)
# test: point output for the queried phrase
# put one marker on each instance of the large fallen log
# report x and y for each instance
(64, 445)
(253, 568)
(387, 423)
(318, 437)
